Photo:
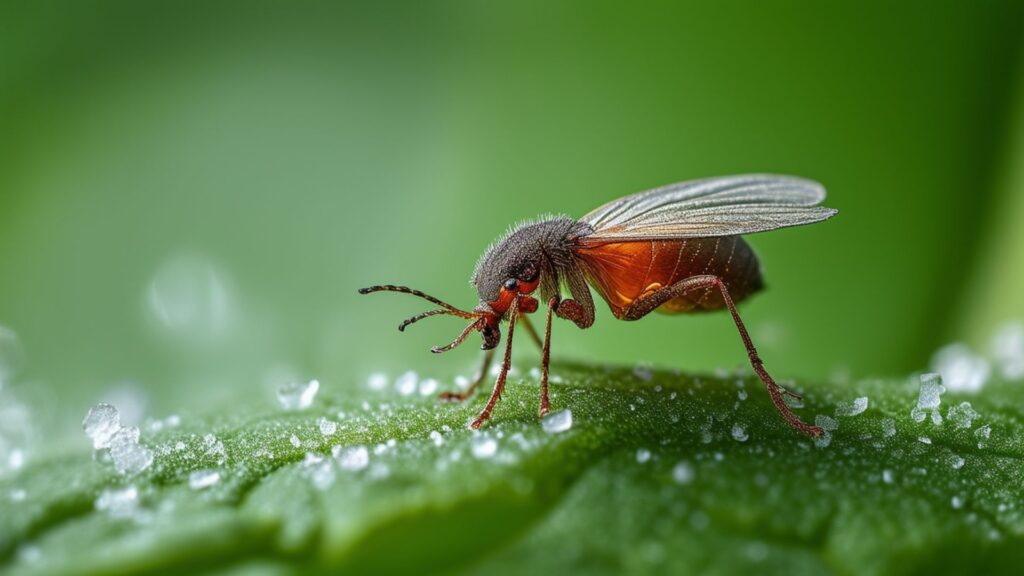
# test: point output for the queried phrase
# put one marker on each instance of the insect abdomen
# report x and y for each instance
(623, 272)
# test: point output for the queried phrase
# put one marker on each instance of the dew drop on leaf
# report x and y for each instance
(298, 395)
(557, 422)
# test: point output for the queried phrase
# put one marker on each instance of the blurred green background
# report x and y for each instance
(190, 194)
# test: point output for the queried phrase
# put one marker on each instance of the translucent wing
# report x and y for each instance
(725, 206)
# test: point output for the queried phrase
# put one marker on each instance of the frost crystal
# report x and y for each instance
(557, 422)
(956, 502)
(118, 502)
(327, 427)
(854, 408)
(739, 433)
(682, 473)
(828, 424)
(483, 446)
(931, 391)
(956, 462)
(929, 398)
(126, 453)
(353, 458)
(887, 476)
(298, 395)
(100, 424)
(961, 370)
(214, 448)
(643, 455)
(888, 427)
(201, 479)
(1008, 350)
(295, 441)
(982, 435)
(963, 415)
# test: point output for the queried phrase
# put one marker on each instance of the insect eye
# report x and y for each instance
(511, 284)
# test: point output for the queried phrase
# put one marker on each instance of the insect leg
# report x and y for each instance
(580, 308)
(499, 385)
(545, 359)
(644, 306)
(531, 331)
(460, 396)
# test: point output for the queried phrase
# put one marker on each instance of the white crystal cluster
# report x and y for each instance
(102, 424)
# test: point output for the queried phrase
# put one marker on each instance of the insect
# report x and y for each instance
(676, 249)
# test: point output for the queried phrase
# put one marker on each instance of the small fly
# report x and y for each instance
(676, 249)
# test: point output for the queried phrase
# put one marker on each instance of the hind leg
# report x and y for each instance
(645, 305)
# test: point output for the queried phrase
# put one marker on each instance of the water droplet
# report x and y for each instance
(643, 372)
(483, 446)
(557, 422)
(100, 424)
(12, 355)
(352, 458)
(436, 438)
(189, 295)
(1008, 350)
(643, 455)
(201, 479)
(854, 408)
(298, 395)
(961, 369)
(377, 381)
(406, 383)
(118, 502)
(428, 387)
(739, 433)
(682, 473)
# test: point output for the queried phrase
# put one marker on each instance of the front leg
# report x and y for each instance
(645, 305)
(460, 396)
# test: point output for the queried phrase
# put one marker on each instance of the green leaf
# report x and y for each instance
(658, 473)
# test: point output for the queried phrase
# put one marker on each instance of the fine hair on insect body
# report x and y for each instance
(677, 249)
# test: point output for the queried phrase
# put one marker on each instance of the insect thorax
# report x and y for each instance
(542, 245)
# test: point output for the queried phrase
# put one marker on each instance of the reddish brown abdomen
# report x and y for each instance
(622, 272)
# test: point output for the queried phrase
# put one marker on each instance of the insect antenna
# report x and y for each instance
(458, 339)
(448, 308)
